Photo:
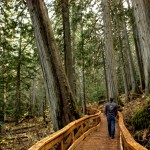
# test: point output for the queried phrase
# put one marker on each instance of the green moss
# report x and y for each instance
(141, 119)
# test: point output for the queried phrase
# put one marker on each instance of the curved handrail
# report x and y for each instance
(128, 143)
(65, 137)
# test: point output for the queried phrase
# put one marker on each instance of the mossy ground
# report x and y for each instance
(137, 119)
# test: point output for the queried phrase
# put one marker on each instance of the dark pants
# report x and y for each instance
(111, 126)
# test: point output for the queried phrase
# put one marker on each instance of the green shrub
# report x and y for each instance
(141, 120)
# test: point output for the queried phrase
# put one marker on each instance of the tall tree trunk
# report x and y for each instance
(106, 82)
(3, 94)
(33, 96)
(67, 44)
(83, 87)
(62, 102)
(123, 70)
(73, 39)
(138, 50)
(17, 106)
(83, 66)
(141, 13)
(18, 69)
(83, 75)
(3, 89)
(139, 59)
(130, 58)
(109, 53)
(44, 108)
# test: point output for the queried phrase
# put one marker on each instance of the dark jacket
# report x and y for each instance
(111, 109)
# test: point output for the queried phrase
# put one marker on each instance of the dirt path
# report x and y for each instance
(99, 140)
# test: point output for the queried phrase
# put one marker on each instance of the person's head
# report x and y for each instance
(111, 99)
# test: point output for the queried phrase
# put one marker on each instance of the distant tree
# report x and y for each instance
(18, 59)
(123, 54)
(67, 44)
(109, 53)
(18, 78)
(130, 80)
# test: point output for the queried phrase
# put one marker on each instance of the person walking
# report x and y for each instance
(111, 113)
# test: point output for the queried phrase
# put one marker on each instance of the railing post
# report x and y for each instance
(96, 122)
(72, 136)
(121, 145)
(82, 129)
(62, 145)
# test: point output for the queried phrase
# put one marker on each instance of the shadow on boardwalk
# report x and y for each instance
(99, 139)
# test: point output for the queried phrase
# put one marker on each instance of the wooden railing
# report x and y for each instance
(70, 135)
(126, 140)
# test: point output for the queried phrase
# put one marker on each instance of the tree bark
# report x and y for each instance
(62, 102)
(123, 70)
(33, 96)
(67, 44)
(138, 50)
(18, 70)
(141, 13)
(104, 66)
(109, 53)
(17, 105)
(139, 59)
(83, 66)
(130, 58)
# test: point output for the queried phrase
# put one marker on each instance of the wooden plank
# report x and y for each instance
(121, 146)
(80, 139)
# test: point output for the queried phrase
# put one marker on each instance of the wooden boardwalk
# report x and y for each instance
(86, 134)
(99, 139)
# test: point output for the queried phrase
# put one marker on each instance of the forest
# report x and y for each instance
(58, 57)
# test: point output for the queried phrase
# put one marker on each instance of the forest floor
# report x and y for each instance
(29, 131)
(25, 134)
(129, 111)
